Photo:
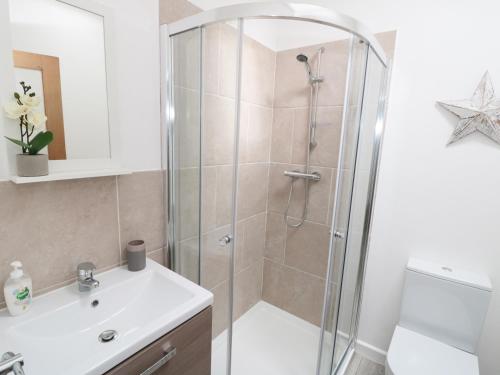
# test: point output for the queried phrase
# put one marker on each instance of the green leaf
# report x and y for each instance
(40, 140)
(18, 142)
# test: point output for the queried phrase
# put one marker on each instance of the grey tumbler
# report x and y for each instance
(136, 255)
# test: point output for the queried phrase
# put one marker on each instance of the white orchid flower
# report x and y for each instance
(14, 110)
(36, 119)
(30, 101)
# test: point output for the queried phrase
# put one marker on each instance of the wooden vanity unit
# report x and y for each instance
(186, 350)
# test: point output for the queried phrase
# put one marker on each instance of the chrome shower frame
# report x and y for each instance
(240, 13)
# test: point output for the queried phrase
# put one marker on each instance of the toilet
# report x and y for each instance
(442, 315)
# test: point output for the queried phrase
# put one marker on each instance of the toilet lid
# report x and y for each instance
(411, 353)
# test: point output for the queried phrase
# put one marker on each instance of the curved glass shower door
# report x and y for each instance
(273, 151)
(363, 127)
(203, 163)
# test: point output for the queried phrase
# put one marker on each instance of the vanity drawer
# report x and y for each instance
(192, 342)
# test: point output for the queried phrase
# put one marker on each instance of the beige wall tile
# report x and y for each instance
(334, 71)
(297, 292)
(279, 186)
(388, 42)
(174, 10)
(275, 237)
(307, 248)
(220, 311)
(211, 50)
(295, 92)
(188, 203)
(253, 241)
(186, 62)
(346, 186)
(187, 109)
(189, 254)
(224, 195)
(282, 135)
(247, 288)
(141, 209)
(258, 69)
(228, 60)
(319, 192)
(300, 135)
(53, 226)
(328, 129)
(292, 87)
(259, 134)
(157, 256)
(218, 130)
(214, 259)
(319, 196)
(252, 194)
(243, 139)
(209, 199)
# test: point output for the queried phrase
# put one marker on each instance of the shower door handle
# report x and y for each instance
(225, 240)
(339, 235)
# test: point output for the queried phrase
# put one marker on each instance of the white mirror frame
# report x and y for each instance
(79, 168)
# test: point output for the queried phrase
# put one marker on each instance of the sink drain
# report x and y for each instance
(108, 335)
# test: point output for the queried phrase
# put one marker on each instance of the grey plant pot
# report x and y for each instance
(32, 165)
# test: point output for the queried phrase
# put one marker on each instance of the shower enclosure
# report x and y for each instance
(274, 118)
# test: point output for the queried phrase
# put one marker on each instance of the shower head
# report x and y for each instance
(303, 59)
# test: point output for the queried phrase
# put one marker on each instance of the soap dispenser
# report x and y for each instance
(17, 290)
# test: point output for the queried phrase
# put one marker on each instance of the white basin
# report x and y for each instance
(59, 335)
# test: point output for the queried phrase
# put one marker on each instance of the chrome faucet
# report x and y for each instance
(11, 363)
(86, 280)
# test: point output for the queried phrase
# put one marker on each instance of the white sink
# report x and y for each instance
(59, 335)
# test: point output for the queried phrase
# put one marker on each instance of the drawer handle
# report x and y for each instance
(169, 354)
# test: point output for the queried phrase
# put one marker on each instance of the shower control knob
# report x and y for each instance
(225, 240)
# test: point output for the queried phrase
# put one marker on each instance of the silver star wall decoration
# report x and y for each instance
(480, 113)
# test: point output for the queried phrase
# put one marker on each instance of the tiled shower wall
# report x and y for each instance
(254, 149)
(296, 258)
(52, 226)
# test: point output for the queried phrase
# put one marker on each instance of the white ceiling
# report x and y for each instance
(277, 34)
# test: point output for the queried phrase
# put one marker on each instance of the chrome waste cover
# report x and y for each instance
(108, 335)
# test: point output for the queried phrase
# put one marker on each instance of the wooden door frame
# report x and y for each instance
(52, 97)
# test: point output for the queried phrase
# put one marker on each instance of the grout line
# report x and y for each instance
(298, 270)
(211, 231)
(303, 164)
(292, 142)
(219, 66)
(268, 182)
(119, 221)
(235, 274)
(332, 106)
(330, 198)
(257, 163)
(325, 224)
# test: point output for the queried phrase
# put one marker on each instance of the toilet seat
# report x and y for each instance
(411, 353)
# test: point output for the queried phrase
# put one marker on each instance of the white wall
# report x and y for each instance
(436, 202)
(433, 201)
(136, 36)
(136, 42)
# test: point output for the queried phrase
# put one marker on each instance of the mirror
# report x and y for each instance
(59, 50)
